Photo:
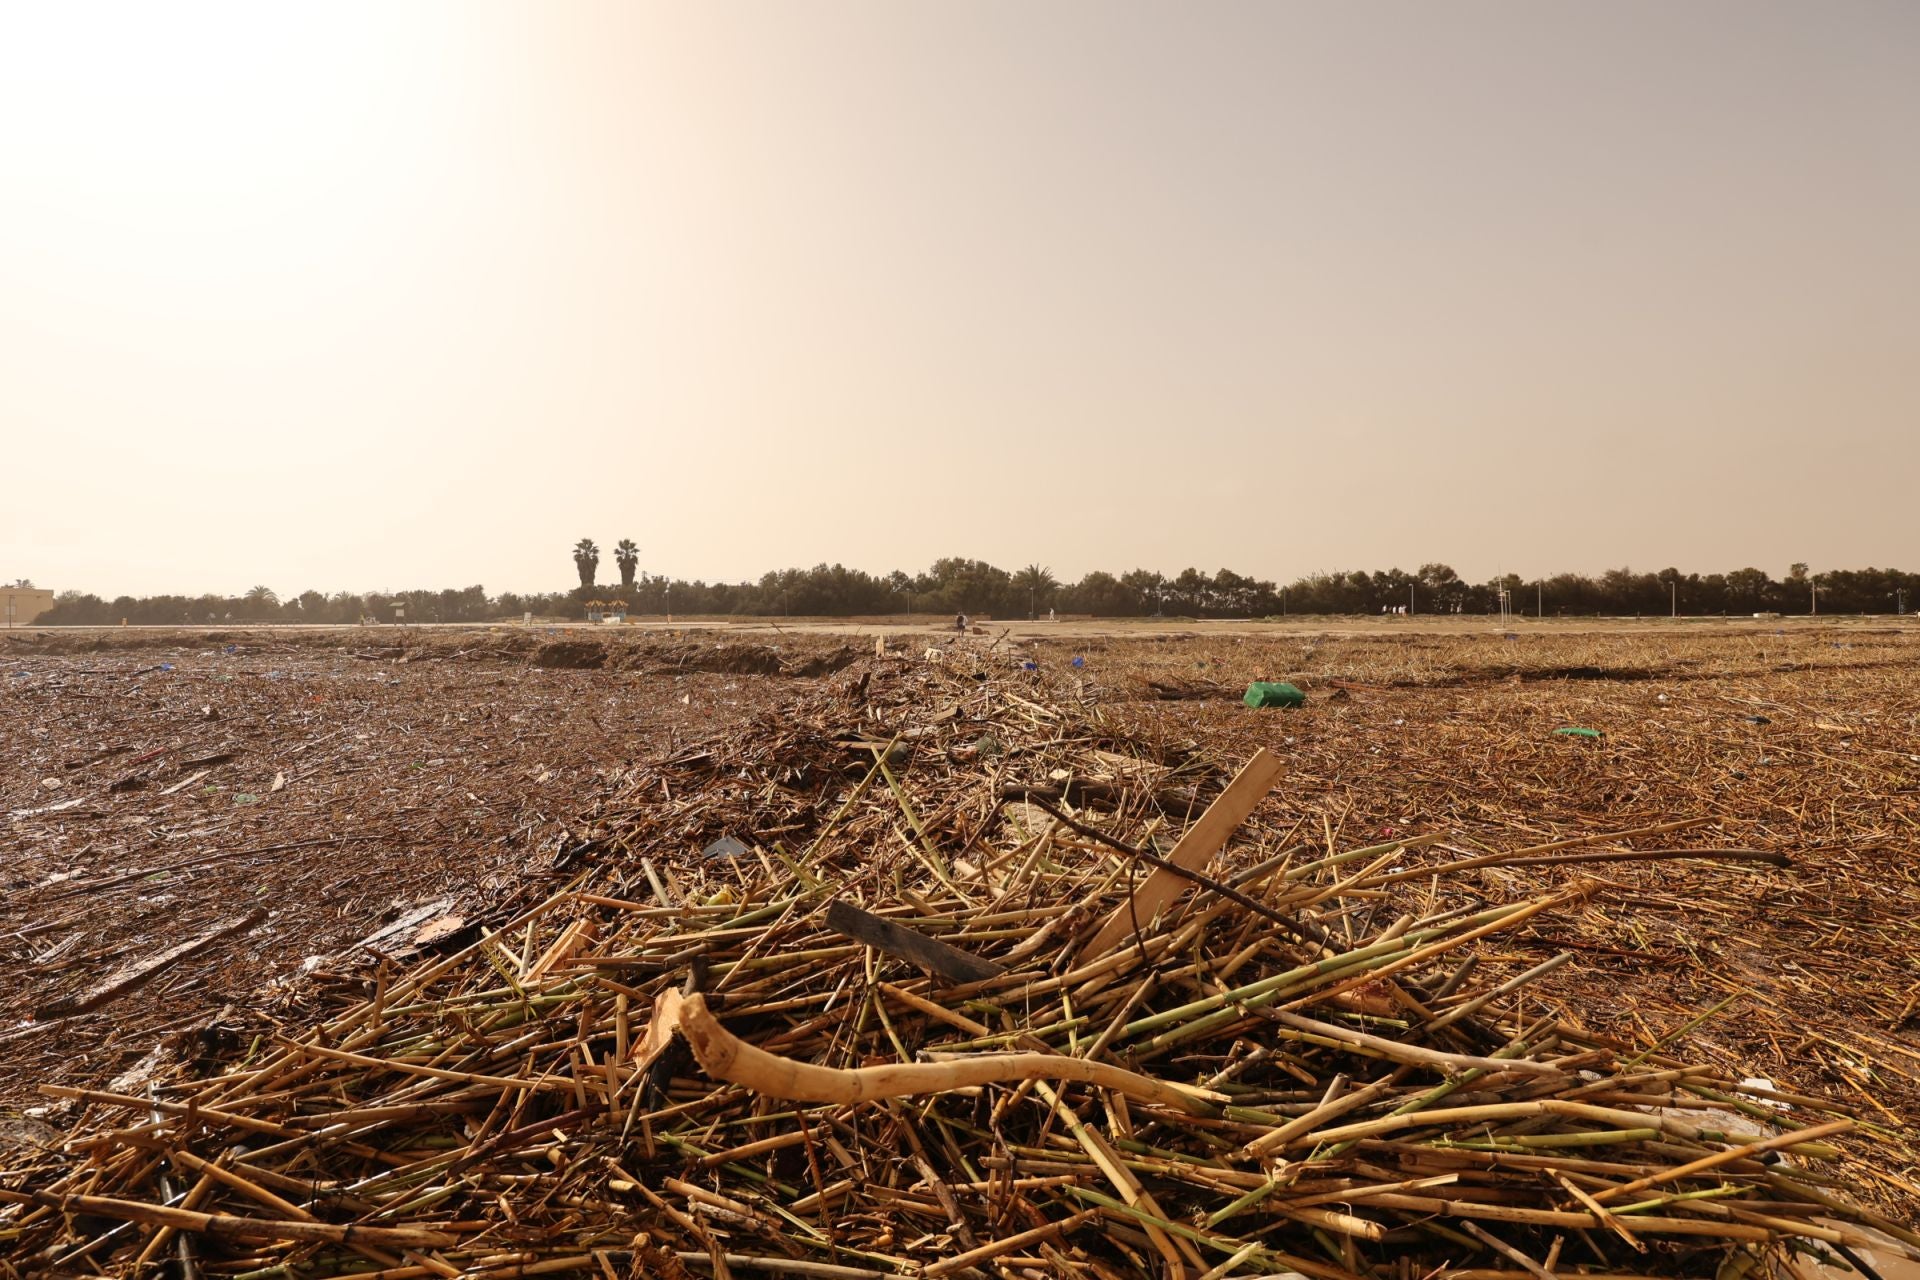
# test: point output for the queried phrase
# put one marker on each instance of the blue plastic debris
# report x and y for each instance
(1029, 665)
(1079, 662)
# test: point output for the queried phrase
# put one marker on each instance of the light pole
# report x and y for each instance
(1536, 599)
(1813, 590)
(1673, 596)
(1409, 599)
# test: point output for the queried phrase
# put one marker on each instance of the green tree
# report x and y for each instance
(1144, 589)
(627, 555)
(959, 585)
(1100, 594)
(1747, 589)
(1443, 585)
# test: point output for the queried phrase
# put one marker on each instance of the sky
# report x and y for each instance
(353, 296)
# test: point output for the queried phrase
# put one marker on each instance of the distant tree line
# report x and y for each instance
(262, 604)
(957, 585)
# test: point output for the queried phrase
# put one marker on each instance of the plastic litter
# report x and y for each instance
(1264, 693)
(1573, 731)
(1079, 661)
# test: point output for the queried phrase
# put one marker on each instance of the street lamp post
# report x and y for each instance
(1673, 597)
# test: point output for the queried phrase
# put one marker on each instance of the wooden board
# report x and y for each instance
(934, 956)
(1196, 849)
(130, 976)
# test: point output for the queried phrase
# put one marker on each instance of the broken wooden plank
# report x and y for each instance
(185, 782)
(1197, 847)
(132, 975)
(418, 915)
(935, 957)
(221, 756)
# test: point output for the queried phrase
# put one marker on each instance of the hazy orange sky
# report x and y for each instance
(382, 295)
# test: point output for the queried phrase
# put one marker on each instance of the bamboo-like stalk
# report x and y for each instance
(233, 1228)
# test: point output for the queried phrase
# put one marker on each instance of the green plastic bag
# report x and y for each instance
(1572, 732)
(1262, 693)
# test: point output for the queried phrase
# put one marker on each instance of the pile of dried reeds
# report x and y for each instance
(951, 1026)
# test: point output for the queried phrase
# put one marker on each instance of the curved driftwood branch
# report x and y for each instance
(725, 1056)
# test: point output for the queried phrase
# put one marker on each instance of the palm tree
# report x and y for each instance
(1036, 580)
(586, 559)
(627, 555)
(259, 602)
